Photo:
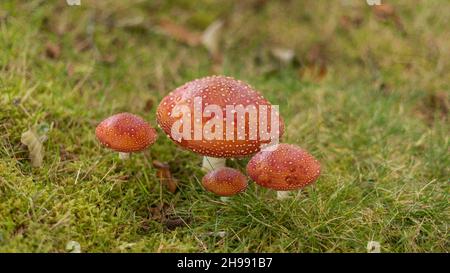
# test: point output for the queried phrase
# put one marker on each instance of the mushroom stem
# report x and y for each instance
(224, 198)
(281, 195)
(212, 163)
(124, 156)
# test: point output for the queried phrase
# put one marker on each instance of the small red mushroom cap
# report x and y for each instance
(286, 167)
(221, 91)
(225, 181)
(125, 133)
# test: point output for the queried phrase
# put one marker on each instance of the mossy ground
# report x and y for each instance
(375, 115)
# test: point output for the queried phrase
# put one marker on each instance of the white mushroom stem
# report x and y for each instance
(124, 156)
(281, 195)
(212, 163)
(224, 198)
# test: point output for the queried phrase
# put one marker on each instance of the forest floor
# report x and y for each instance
(363, 89)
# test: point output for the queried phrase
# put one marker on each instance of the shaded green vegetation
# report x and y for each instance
(367, 95)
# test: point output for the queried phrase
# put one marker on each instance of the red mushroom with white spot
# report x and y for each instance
(225, 181)
(233, 133)
(125, 133)
(284, 167)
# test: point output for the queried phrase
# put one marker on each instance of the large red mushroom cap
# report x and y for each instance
(225, 181)
(221, 91)
(286, 167)
(125, 133)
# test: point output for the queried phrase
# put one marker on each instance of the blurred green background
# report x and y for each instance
(364, 88)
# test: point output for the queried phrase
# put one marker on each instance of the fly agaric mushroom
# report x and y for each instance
(125, 133)
(225, 182)
(233, 108)
(284, 168)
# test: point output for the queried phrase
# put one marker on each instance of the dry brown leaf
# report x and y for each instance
(322, 71)
(384, 11)
(57, 22)
(317, 54)
(259, 4)
(173, 223)
(211, 37)
(283, 55)
(33, 141)
(387, 12)
(70, 70)
(348, 22)
(108, 59)
(434, 105)
(148, 105)
(52, 50)
(159, 212)
(313, 72)
(83, 44)
(316, 63)
(180, 33)
(162, 214)
(165, 176)
(20, 230)
(66, 155)
(211, 41)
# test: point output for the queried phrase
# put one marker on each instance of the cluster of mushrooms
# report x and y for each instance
(283, 168)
